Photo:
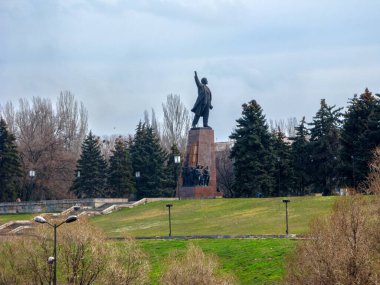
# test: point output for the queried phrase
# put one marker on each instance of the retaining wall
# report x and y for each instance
(55, 206)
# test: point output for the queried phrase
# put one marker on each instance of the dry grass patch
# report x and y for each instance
(194, 268)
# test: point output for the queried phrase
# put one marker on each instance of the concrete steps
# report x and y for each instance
(15, 227)
(19, 227)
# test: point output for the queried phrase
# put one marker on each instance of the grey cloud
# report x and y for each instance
(121, 57)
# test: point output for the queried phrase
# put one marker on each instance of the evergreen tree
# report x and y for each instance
(120, 174)
(324, 148)
(360, 135)
(252, 154)
(10, 167)
(91, 170)
(301, 159)
(149, 160)
(283, 170)
(373, 132)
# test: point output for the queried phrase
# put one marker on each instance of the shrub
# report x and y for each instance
(194, 268)
(83, 252)
(129, 265)
(84, 257)
(343, 248)
(24, 259)
(372, 183)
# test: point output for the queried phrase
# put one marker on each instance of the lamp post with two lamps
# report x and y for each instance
(32, 176)
(53, 259)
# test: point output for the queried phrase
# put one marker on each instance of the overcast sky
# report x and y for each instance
(122, 57)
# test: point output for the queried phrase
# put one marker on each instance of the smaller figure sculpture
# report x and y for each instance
(186, 176)
(206, 176)
(195, 176)
(203, 104)
(198, 175)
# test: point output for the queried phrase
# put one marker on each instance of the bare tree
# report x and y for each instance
(49, 143)
(152, 122)
(286, 127)
(176, 123)
(225, 177)
(290, 126)
(155, 124)
(146, 118)
(107, 144)
(8, 113)
(371, 185)
(72, 121)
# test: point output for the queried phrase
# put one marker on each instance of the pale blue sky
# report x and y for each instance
(122, 57)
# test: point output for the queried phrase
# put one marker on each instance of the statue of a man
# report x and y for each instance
(203, 104)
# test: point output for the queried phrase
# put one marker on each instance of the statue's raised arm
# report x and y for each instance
(197, 80)
(202, 105)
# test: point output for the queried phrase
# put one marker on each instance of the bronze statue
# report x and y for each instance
(203, 104)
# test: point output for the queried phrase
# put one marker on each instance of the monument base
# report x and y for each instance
(200, 152)
(198, 192)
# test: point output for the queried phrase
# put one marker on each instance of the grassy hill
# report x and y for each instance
(250, 261)
(216, 216)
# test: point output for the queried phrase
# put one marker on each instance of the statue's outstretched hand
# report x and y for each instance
(211, 107)
(195, 72)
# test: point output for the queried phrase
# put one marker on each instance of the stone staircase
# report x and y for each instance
(22, 226)
(14, 227)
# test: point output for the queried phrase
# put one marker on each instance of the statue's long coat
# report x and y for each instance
(203, 103)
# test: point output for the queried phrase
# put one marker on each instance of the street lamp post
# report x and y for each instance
(170, 220)
(137, 175)
(177, 161)
(32, 175)
(286, 210)
(279, 175)
(353, 171)
(50, 262)
(42, 220)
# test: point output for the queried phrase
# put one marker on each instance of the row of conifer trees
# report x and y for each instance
(330, 152)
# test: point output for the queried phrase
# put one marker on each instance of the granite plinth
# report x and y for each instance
(199, 192)
(200, 151)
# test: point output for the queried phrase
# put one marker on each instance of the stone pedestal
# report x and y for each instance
(200, 151)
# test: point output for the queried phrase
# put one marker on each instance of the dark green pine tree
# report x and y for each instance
(283, 170)
(121, 182)
(252, 154)
(91, 171)
(301, 159)
(324, 144)
(360, 135)
(149, 160)
(10, 166)
(373, 132)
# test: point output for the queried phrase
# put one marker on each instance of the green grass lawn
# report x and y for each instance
(216, 216)
(4, 218)
(251, 261)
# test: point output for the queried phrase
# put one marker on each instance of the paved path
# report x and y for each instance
(291, 236)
